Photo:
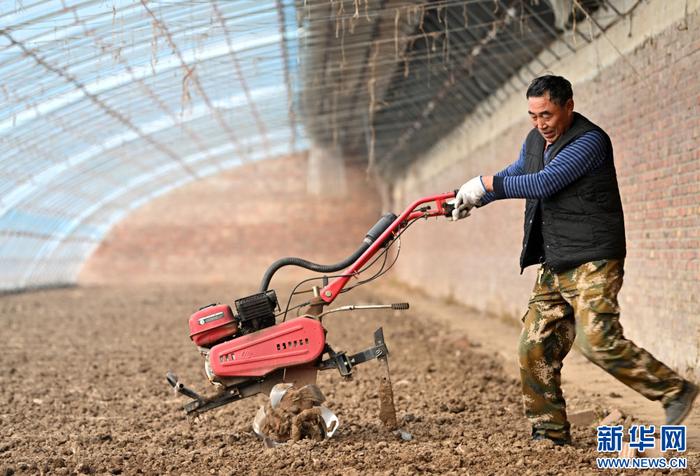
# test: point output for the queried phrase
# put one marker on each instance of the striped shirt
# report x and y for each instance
(581, 156)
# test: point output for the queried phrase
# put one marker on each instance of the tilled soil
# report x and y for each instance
(297, 415)
(83, 390)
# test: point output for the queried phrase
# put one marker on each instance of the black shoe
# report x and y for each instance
(678, 408)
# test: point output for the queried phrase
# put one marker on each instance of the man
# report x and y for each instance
(574, 228)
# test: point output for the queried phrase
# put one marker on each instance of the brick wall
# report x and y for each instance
(655, 127)
(229, 228)
(649, 103)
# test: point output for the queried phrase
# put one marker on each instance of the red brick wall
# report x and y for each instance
(653, 118)
(655, 126)
(229, 228)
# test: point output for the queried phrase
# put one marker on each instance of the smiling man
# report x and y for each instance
(575, 232)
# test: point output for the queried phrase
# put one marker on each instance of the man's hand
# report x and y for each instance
(470, 194)
(459, 212)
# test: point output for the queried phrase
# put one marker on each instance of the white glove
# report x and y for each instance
(459, 212)
(470, 193)
(468, 196)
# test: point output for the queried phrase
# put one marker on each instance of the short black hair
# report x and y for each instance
(559, 88)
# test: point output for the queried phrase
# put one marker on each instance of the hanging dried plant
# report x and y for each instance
(154, 45)
(342, 47)
(396, 33)
(446, 42)
(372, 105)
(186, 98)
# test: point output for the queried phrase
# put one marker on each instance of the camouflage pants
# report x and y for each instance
(581, 304)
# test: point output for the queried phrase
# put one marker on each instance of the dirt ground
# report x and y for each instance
(83, 390)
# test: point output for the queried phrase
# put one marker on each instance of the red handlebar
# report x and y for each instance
(331, 291)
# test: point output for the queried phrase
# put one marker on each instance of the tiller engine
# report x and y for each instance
(252, 349)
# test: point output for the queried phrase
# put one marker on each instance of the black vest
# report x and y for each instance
(580, 223)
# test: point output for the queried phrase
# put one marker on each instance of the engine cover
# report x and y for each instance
(298, 341)
(211, 324)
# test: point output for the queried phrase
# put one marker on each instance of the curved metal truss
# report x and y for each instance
(107, 104)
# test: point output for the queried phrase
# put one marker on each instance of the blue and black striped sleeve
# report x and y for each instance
(581, 156)
(516, 168)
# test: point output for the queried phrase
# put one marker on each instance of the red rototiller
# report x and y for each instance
(251, 350)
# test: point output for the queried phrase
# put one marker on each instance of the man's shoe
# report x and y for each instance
(556, 441)
(678, 408)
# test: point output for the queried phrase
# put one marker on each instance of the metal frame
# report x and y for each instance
(105, 106)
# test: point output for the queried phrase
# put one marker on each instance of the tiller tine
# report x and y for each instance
(344, 364)
(387, 410)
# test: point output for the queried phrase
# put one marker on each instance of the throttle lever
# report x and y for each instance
(398, 306)
(448, 208)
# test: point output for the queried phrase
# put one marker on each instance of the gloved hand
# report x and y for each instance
(470, 193)
(459, 212)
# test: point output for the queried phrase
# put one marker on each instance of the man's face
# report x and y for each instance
(550, 119)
